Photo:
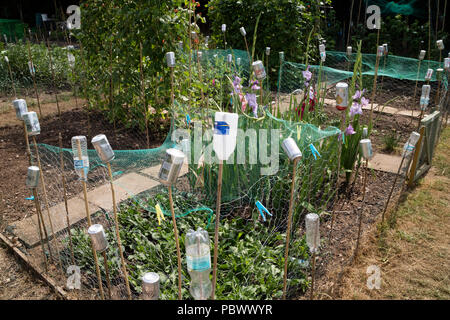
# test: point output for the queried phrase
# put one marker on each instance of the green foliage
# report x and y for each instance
(290, 20)
(251, 258)
(350, 147)
(405, 37)
(390, 142)
(18, 60)
(111, 35)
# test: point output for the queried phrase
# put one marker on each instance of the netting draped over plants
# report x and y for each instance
(339, 67)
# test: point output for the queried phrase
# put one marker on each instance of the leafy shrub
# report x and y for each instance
(250, 264)
(284, 25)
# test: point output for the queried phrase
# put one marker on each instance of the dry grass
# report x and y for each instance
(414, 253)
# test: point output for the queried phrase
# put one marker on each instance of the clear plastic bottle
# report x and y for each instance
(408, 150)
(80, 156)
(198, 256)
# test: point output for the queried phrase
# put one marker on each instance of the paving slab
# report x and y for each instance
(27, 229)
(125, 187)
(100, 198)
(385, 162)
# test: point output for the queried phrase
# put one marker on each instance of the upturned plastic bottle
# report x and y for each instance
(198, 256)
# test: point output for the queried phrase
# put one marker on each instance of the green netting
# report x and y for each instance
(339, 67)
(11, 28)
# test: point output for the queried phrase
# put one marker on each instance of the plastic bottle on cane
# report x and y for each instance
(198, 256)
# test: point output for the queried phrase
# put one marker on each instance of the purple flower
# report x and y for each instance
(237, 85)
(355, 109)
(364, 102)
(357, 95)
(251, 98)
(349, 131)
(255, 85)
(307, 74)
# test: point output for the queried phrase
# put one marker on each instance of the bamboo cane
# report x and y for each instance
(34, 79)
(44, 190)
(88, 216)
(63, 178)
(177, 241)
(12, 79)
(313, 275)
(360, 215)
(216, 231)
(288, 232)
(119, 242)
(53, 76)
(141, 69)
(108, 281)
(38, 209)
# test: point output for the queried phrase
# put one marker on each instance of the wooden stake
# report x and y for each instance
(288, 232)
(415, 88)
(88, 216)
(392, 189)
(119, 242)
(53, 76)
(108, 281)
(313, 275)
(44, 190)
(374, 88)
(63, 178)
(141, 69)
(34, 79)
(177, 241)
(38, 210)
(216, 231)
(27, 143)
(360, 214)
(12, 79)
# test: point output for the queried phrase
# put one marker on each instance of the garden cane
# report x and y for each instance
(11, 76)
(341, 105)
(63, 178)
(100, 244)
(81, 164)
(168, 174)
(32, 182)
(380, 53)
(291, 149)
(106, 154)
(407, 153)
(53, 76)
(312, 227)
(20, 105)
(33, 75)
(224, 143)
(144, 102)
(367, 154)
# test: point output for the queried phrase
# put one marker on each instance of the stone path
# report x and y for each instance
(100, 198)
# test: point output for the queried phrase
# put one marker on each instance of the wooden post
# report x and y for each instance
(177, 241)
(63, 177)
(119, 242)
(416, 157)
(216, 231)
(289, 226)
(27, 143)
(38, 210)
(88, 216)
